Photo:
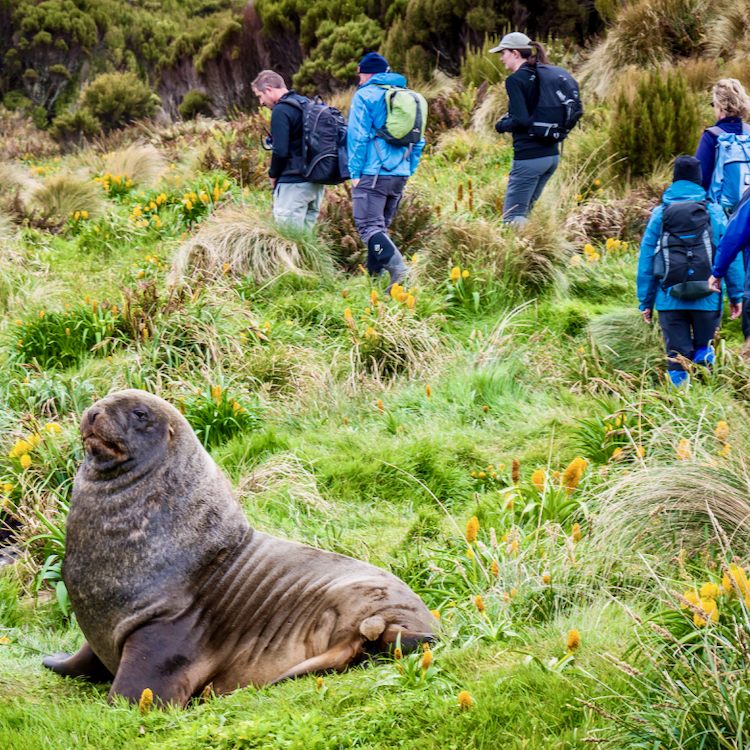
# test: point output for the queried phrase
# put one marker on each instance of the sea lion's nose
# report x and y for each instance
(93, 414)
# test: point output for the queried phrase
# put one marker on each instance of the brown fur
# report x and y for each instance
(174, 590)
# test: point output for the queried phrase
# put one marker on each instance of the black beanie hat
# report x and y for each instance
(688, 168)
(372, 62)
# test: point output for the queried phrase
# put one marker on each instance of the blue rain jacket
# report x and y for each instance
(736, 240)
(368, 154)
(650, 293)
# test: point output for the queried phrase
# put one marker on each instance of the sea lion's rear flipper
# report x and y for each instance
(158, 656)
(84, 663)
(336, 658)
(410, 641)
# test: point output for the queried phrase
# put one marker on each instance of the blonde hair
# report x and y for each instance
(730, 95)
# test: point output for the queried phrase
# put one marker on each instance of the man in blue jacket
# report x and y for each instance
(736, 239)
(379, 171)
(688, 326)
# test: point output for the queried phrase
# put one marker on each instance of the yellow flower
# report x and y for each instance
(710, 591)
(480, 603)
(435, 613)
(589, 249)
(7, 488)
(464, 274)
(597, 183)
(380, 404)
(84, 214)
(428, 391)
(545, 579)
(740, 579)
(455, 273)
(472, 527)
(574, 640)
(25, 461)
(725, 450)
(397, 654)
(692, 597)
(426, 660)
(415, 258)
(576, 532)
(374, 296)
(509, 501)
(464, 700)
(537, 478)
(319, 683)
(410, 301)
(396, 290)
(640, 451)
(495, 569)
(722, 431)
(344, 293)
(513, 593)
(146, 701)
(573, 473)
(709, 607)
(4, 639)
(684, 452)
(348, 314)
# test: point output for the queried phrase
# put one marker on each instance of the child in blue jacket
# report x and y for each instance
(688, 326)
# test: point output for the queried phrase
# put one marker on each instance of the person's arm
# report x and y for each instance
(735, 239)
(706, 155)
(358, 135)
(416, 155)
(281, 126)
(518, 118)
(645, 282)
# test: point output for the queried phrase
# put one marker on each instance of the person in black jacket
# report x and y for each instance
(533, 162)
(295, 200)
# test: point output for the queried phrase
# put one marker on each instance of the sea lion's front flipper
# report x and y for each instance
(337, 657)
(158, 656)
(83, 663)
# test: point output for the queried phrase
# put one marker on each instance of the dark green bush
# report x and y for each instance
(71, 127)
(661, 122)
(195, 103)
(117, 99)
(16, 100)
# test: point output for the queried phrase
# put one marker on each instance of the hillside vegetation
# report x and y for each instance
(498, 432)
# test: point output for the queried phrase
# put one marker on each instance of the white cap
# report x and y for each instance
(514, 40)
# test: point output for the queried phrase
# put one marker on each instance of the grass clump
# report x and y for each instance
(61, 195)
(626, 342)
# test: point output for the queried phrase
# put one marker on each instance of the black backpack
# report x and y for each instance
(324, 155)
(685, 252)
(559, 107)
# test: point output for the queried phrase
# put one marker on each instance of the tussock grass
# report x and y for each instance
(493, 107)
(13, 177)
(140, 161)
(675, 506)
(245, 244)
(63, 193)
(624, 340)
(729, 30)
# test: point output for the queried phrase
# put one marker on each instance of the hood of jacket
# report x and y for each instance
(683, 190)
(387, 79)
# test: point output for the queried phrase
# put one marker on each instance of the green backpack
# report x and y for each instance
(406, 116)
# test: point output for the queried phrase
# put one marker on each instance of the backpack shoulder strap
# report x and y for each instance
(745, 129)
(716, 130)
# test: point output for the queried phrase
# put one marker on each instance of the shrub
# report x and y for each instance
(71, 127)
(117, 99)
(660, 122)
(246, 244)
(625, 341)
(479, 65)
(61, 195)
(195, 103)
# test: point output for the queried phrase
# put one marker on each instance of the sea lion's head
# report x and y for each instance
(127, 429)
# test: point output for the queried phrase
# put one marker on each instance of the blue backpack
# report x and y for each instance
(731, 175)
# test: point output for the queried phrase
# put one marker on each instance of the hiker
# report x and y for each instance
(381, 161)
(736, 239)
(295, 200)
(535, 139)
(726, 178)
(674, 267)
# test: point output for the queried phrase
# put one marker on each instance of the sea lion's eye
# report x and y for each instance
(140, 413)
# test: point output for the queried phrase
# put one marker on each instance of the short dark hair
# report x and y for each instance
(268, 79)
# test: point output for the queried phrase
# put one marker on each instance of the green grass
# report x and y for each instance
(378, 446)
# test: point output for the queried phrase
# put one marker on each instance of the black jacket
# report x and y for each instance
(523, 95)
(286, 131)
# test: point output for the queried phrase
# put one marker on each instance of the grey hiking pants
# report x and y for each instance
(374, 207)
(297, 203)
(526, 181)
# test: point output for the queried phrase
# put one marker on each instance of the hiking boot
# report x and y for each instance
(397, 269)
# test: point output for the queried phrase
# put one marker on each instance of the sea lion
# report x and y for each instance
(174, 590)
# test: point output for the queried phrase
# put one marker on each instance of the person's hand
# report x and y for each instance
(355, 182)
(735, 309)
(273, 181)
(714, 284)
(646, 315)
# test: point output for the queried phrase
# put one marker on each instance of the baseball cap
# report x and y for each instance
(514, 40)
(372, 62)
